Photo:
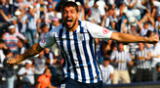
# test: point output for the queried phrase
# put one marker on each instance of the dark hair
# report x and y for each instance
(106, 59)
(149, 33)
(70, 4)
(157, 65)
(43, 25)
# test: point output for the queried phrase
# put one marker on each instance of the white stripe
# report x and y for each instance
(91, 59)
(65, 69)
(143, 64)
(75, 58)
(71, 65)
(84, 62)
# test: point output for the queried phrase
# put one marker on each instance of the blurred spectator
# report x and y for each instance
(44, 80)
(31, 32)
(155, 54)
(12, 37)
(95, 14)
(122, 19)
(101, 6)
(3, 52)
(133, 29)
(21, 4)
(49, 14)
(110, 2)
(5, 10)
(21, 47)
(44, 31)
(98, 50)
(110, 19)
(10, 72)
(81, 11)
(158, 71)
(120, 59)
(40, 64)
(143, 64)
(107, 48)
(133, 46)
(147, 27)
(49, 56)
(26, 74)
(157, 24)
(107, 71)
(21, 15)
(16, 23)
(55, 23)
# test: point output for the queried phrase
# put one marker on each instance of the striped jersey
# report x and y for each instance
(143, 63)
(11, 40)
(78, 50)
(106, 73)
(122, 58)
(155, 51)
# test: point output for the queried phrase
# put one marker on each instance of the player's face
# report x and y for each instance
(70, 17)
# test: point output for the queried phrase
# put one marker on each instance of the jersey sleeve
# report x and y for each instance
(97, 31)
(48, 40)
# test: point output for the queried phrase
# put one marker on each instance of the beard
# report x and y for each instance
(69, 24)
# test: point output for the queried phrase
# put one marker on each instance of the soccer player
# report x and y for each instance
(75, 38)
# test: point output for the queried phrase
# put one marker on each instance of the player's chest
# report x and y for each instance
(72, 38)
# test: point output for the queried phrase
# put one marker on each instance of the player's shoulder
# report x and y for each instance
(89, 24)
(85, 23)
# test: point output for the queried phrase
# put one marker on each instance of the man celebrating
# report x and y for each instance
(76, 40)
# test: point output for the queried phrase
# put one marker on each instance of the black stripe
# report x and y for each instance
(92, 49)
(71, 55)
(87, 56)
(63, 52)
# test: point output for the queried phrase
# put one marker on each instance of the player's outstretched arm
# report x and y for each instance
(122, 37)
(35, 49)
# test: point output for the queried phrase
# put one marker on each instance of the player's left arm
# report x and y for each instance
(97, 31)
(123, 37)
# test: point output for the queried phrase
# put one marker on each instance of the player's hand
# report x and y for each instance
(15, 60)
(154, 38)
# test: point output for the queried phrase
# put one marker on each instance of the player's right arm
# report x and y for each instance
(47, 41)
(35, 49)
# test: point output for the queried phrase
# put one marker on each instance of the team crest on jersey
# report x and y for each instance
(80, 37)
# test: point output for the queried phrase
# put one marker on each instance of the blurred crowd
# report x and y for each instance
(25, 22)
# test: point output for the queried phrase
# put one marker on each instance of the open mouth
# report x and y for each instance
(69, 20)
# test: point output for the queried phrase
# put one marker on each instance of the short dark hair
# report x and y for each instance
(43, 25)
(70, 4)
(106, 59)
(158, 65)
